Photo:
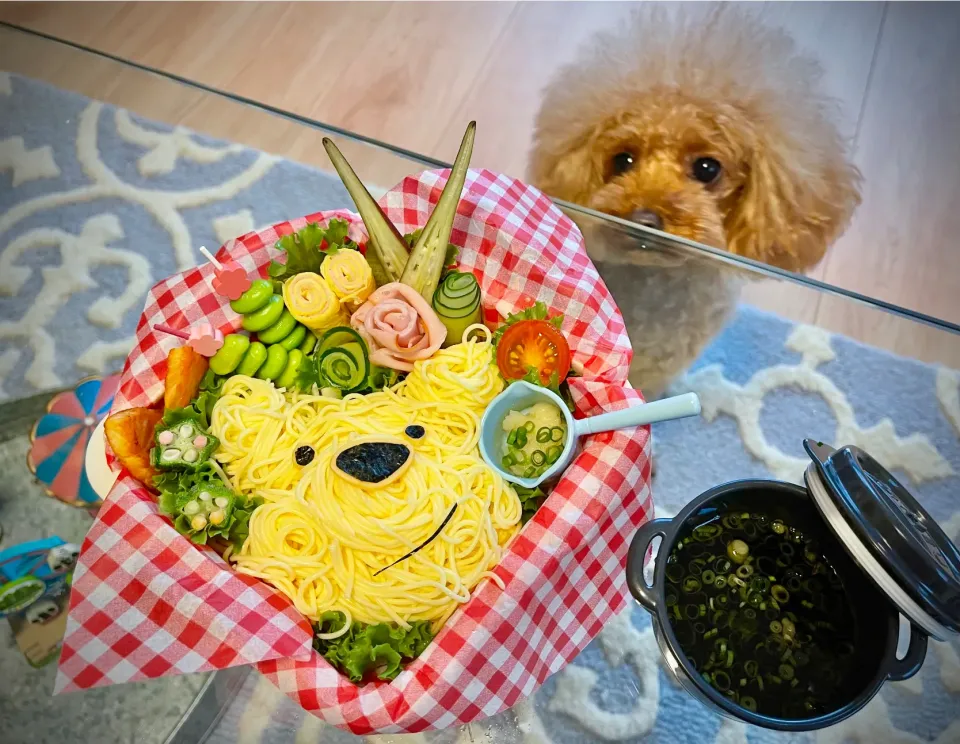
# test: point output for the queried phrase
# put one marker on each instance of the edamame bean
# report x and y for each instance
(252, 361)
(294, 338)
(289, 377)
(266, 316)
(276, 361)
(275, 333)
(254, 298)
(228, 357)
(309, 342)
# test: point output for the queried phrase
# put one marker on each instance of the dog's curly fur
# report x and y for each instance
(668, 88)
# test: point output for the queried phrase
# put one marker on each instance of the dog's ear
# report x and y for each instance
(793, 203)
(565, 170)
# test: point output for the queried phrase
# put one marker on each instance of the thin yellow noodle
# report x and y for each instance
(321, 539)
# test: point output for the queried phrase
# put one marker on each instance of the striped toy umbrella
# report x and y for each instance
(59, 440)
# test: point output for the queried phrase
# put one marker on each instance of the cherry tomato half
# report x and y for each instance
(536, 344)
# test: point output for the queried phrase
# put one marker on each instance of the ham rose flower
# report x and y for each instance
(398, 326)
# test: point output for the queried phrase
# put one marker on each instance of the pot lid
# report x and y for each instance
(899, 545)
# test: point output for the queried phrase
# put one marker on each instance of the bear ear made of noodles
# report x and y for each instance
(130, 434)
(185, 370)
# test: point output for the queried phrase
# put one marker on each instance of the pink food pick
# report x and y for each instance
(205, 339)
(229, 280)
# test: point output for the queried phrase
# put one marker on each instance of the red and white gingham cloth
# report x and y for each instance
(146, 602)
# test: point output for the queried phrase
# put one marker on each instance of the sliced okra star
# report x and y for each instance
(184, 445)
(206, 508)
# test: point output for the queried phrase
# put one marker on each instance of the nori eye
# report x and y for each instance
(372, 462)
(304, 455)
(415, 431)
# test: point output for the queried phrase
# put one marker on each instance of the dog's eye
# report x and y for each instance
(621, 163)
(707, 170)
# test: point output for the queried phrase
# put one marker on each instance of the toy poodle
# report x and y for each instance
(708, 125)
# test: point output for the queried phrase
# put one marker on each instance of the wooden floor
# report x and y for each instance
(414, 73)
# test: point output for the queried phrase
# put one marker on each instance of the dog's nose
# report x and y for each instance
(648, 218)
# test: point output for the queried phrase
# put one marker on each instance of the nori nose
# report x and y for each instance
(372, 462)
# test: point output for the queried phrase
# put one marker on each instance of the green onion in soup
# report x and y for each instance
(760, 614)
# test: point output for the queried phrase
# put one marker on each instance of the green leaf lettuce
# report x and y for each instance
(365, 650)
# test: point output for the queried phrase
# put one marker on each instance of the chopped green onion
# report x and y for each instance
(543, 434)
(530, 472)
(528, 426)
(789, 629)
(557, 434)
(553, 453)
(786, 671)
(691, 584)
(751, 667)
(721, 680)
(737, 551)
(780, 593)
(776, 627)
(748, 703)
(732, 521)
(778, 527)
(707, 532)
(722, 566)
(521, 438)
(512, 438)
(538, 457)
(720, 582)
(508, 461)
(520, 456)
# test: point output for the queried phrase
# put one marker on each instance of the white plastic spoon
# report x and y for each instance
(522, 395)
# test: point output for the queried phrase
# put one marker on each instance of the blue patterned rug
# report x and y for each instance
(97, 204)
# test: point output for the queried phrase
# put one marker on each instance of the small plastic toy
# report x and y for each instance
(230, 280)
(58, 442)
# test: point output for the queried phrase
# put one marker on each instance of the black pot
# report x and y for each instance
(877, 618)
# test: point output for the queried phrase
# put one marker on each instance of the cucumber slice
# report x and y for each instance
(337, 336)
(345, 367)
(457, 304)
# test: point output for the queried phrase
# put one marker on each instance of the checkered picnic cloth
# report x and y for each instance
(146, 602)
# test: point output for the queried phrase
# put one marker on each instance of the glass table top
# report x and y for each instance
(661, 283)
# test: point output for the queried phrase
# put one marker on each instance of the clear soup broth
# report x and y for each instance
(761, 614)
